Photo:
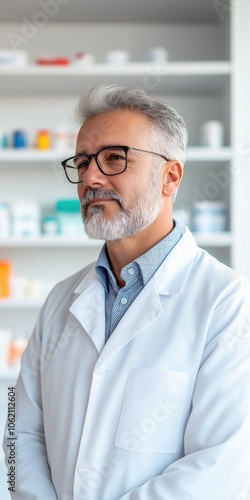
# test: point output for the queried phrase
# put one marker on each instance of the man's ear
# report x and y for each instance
(172, 175)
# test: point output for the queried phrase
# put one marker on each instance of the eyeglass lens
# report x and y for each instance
(111, 161)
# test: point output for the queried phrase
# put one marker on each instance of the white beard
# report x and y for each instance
(127, 221)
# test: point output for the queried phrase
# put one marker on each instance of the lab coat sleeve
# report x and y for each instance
(33, 477)
(217, 436)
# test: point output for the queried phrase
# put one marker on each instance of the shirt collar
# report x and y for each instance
(147, 263)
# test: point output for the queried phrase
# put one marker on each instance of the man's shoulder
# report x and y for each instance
(74, 279)
(65, 289)
(204, 267)
(213, 266)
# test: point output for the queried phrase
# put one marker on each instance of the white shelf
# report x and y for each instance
(222, 239)
(209, 154)
(33, 155)
(196, 77)
(209, 239)
(136, 68)
(20, 303)
(45, 241)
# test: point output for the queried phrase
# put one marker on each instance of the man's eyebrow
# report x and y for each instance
(84, 152)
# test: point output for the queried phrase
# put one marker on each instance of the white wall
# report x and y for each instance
(241, 133)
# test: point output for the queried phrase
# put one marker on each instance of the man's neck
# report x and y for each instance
(122, 252)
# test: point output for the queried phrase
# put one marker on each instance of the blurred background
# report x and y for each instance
(194, 54)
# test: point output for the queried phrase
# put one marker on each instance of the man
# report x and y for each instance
(135, 382)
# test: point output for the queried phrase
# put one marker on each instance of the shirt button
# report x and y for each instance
(131, 271)
(124, 300)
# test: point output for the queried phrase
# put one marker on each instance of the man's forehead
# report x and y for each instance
(113, 125)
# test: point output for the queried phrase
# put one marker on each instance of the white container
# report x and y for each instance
(13, 58)
(83, 59)
(117, 57)
(3, 139)
(60, 138)
(25, 218)
(212, 134)
(157, 55)
(209, 217)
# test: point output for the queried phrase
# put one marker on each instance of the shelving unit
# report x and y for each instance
(195, 77)
(206, 78)
(198, 79)
(34, 155)
(207, 239)
(46, 241)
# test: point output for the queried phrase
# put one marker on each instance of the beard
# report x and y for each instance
(128, 220)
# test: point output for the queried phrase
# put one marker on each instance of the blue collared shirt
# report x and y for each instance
(136, 275)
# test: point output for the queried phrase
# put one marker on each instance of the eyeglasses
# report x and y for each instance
(112, 160)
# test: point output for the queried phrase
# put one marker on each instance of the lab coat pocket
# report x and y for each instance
(152, 410)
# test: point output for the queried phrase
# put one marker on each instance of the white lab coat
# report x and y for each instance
(162, 411)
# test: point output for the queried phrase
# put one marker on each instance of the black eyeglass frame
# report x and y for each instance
(95, 155)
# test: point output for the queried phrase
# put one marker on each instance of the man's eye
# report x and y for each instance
(82, 164)
(115, 157)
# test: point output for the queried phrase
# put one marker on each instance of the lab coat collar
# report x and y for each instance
(172, 273)
(170, 277)
(89, 307)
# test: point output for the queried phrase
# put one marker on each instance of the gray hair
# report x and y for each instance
(169, 131)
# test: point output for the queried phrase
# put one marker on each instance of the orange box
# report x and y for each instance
(5, 274)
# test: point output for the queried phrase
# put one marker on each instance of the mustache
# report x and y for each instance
(101, 193)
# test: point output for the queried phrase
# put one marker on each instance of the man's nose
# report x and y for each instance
(93, 175)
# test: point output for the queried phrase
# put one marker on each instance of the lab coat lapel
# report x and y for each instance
(89, 307)
(145, 308)
(169, 279)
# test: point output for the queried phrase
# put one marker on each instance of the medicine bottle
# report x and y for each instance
(43, 140)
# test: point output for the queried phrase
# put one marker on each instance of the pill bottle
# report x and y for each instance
(212, 134)
(43, 140)
(3, 139)
(60, 138)
(19, 139)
